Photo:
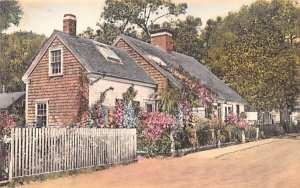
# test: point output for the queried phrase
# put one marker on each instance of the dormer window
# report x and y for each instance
(157, 60)
(109, 55)
(55, 62)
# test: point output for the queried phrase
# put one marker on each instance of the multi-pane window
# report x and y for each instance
(149, 107)
(55, 62)
(109, 55)
(237, 109)
(41, 114)
(219, 110)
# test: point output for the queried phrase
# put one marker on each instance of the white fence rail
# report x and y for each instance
(37, 151)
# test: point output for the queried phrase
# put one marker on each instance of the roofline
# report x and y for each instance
(126, 80)
(43, 51)
(179, 85)
(14, 100)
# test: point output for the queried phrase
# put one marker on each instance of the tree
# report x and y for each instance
(254, 51)
(186, 38)
(143, 14)
(17, 52)
(10, 13)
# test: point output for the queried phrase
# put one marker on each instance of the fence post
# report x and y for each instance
(219, 138)
(243, 136)
(173, 151)
(257, 133)
(10, 155)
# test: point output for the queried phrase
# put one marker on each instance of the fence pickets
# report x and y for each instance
(37, 151)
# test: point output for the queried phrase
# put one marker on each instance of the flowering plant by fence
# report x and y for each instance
(154, 133)
(6, 122)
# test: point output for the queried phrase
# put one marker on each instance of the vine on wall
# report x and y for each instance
(82, 116)
(99, 112)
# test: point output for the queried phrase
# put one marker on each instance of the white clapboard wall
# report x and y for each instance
(37, 151)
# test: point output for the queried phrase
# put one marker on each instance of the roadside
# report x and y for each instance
(267, 163)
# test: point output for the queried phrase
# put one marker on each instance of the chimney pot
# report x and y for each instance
(69, 24)
(162, 38)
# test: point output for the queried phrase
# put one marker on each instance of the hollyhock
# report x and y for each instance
(155, 123)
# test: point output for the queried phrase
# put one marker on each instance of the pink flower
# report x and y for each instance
(155, 123)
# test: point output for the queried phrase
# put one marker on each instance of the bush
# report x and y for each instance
(154, 133)
(161, 145)
(181, 139)
(267, 131)
(295, 128)
(250, 133)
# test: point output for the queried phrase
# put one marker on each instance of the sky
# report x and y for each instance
(43, 16)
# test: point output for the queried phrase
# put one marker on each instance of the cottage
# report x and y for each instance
(10, 100)
(158, 56)
(52, 79)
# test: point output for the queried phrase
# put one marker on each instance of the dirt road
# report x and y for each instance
(268, 163)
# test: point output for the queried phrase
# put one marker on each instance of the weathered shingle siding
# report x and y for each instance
(160, 79)
(61, 91)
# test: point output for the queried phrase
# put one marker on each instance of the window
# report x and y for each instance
(237, 110)
(219, 110)
(226, 112)
(109, 54)
(55, 59)
(149, 107)
(41, 114)
(157, 60)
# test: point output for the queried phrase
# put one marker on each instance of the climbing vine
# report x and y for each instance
(195, 86)
(82, 116)
(99, 112)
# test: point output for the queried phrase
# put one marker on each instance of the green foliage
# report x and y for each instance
(161, 146)
(17, 52)
(130, 94)
(170, 99)
(254, 50)
(143, 14)
(82, 99)
(186, 38)
(10, 13)
(267, 131)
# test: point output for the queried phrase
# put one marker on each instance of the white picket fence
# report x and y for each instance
(37, 151)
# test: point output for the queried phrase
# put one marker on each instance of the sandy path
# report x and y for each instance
(275, 163)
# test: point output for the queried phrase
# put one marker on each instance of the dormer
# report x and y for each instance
(109, 54)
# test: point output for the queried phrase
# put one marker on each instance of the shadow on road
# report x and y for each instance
(293, 136)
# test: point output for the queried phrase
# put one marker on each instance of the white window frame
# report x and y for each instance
(61, 61)
(150, 103)
(109, 55)
(45, 101)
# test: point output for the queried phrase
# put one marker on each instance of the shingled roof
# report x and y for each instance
(189, 64)
(7, 99)
(87, 52)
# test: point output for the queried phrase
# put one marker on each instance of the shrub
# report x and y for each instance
(250, 133)
(181, 139)
(154, 133)
(270, 130)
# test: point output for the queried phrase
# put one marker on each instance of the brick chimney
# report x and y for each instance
(70, 24)
(162, 38)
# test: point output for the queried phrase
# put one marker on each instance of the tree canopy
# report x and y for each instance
(141, 13)
(186, 38)
(17, 52)
(254, 50)
(10, 13)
